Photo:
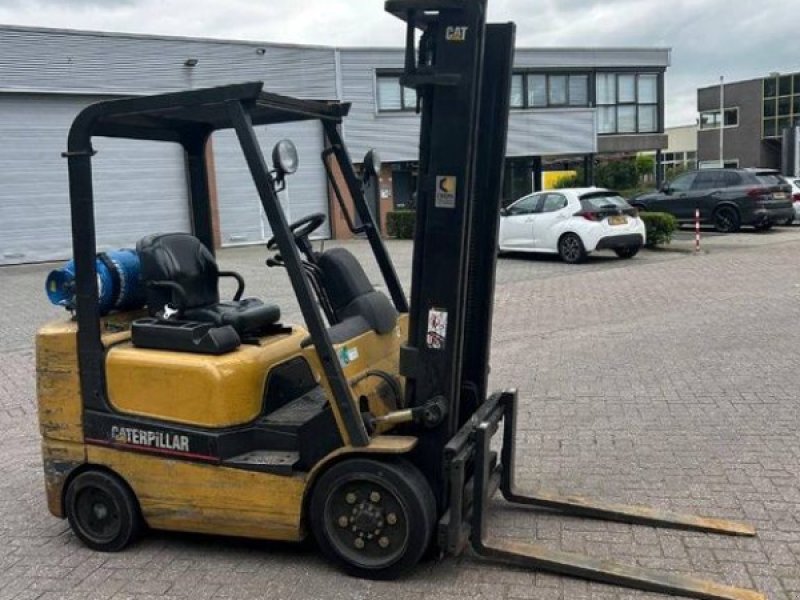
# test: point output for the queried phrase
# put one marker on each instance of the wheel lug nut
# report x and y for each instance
(350, 498)
(369, 536)
(343, 521)
(383, 542)
(377, 532)
(391, 518)
(359, 543)
(375, 497)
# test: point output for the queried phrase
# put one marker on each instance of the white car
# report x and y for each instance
(795, 183)
(572, 223)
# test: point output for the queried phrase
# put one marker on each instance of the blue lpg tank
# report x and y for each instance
(118, 283)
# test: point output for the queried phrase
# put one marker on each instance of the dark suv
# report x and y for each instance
(727, 198)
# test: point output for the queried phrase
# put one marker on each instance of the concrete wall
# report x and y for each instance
(682, 139)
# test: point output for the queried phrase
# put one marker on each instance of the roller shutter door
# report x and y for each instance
(241, 217)
(140, 187)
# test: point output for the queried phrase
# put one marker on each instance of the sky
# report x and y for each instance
(737, 39)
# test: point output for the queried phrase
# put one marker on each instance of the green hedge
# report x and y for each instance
(660, 227)
(400, 224)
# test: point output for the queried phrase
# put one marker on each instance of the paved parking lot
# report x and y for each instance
(669, 380)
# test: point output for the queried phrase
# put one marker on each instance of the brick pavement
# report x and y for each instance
(668, 380)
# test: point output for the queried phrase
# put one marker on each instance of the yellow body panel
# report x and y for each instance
(196, 389)
(203, 391)
(184, 496)
(57, 382)
(366, 352)
(60, 459)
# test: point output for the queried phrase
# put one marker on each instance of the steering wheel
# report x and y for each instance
(301, 229)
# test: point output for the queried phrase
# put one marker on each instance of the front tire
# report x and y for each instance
(374, 519)
(627, 252)
(102, 511)
(726, 220)
(571, 249)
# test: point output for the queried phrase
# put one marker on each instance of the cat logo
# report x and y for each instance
(446, 191)
(456, 34)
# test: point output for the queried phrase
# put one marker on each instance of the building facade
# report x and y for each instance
(751, 117)
(567, 102)
(681, 151)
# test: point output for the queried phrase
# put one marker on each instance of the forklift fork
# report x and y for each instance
(471, 446)
(583, 507)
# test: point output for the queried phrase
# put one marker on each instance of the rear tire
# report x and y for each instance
(627, 252)
(102, 511)
(571, 249)
(374, 519)
(726, 220)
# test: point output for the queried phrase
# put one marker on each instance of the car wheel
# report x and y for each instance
(627, 252)
(102, 511)
(374, 519)
(726, 220)
(571, 249)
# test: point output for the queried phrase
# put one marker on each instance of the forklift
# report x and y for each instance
(369, 427)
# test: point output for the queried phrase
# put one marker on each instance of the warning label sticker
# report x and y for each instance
(437, 329)
(446, 186)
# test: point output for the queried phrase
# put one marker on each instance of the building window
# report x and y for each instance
(781, 104)
(393, 97)
(537, 90)
(728, 163)
(549, 90)
(627, 103)
(517, 91)
(709, 119)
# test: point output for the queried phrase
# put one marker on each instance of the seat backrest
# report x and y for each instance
(183, 259)
(350, 292)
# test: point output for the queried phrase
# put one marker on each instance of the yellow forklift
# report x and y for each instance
(368, 427)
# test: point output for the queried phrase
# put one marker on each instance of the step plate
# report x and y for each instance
(280, 463)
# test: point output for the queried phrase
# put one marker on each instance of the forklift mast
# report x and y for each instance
(461, 69)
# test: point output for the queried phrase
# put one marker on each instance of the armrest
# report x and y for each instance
(239, 279)
(177, 291)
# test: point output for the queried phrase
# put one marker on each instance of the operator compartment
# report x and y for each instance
(201, 390)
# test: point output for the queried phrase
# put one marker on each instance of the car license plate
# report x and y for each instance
(617, 220)
(779, 195)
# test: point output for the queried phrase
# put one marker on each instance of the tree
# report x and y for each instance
(617, 175)
(645, 165)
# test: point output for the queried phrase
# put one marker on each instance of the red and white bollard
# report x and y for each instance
(697, 231)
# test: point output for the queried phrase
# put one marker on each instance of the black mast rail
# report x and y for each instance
(432, 361)
(462, 70)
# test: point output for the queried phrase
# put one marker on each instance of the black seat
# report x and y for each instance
(180, 272)
(351, 294)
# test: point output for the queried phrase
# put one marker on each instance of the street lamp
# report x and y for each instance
(722, 122)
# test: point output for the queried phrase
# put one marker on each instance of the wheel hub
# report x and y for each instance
(100, 511)
(368, 524)
(367, 518)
